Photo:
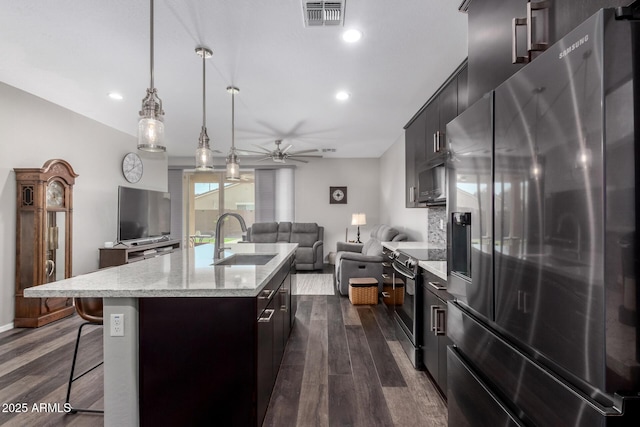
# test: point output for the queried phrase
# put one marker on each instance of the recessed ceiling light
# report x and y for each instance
(352, 36)
(343, 95)
(116, 96)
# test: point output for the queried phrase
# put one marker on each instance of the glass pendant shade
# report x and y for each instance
(151, 135)
(233, 167)
(204, 159)
(204, 155)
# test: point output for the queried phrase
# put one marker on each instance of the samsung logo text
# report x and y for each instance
(574, 46)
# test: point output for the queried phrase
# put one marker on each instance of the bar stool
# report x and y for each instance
(90, 309)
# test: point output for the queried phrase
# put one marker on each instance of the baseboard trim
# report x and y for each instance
(6, 327)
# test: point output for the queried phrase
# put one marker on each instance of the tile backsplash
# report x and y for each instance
(435, 235)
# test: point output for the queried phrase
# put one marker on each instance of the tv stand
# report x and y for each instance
(137, 251)
(148, 241)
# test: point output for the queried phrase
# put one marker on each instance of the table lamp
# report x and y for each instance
(358, 219)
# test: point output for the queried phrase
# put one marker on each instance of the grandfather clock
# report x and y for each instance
(43, 239)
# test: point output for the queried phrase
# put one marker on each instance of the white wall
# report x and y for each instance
(312, 182)
(33, 131)
(412, 221)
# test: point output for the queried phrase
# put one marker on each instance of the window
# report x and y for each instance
(210, 196)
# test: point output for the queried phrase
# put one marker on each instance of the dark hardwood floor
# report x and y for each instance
(342, 367)
(34, 369)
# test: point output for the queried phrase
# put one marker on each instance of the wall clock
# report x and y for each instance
(337, 195)
(132, 167)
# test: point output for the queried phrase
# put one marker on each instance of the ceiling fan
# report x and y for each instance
(281, 155)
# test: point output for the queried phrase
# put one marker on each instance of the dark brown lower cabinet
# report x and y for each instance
(434, 337)
(212, 361)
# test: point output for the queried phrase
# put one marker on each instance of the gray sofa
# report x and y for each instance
(308, 235)
(363, 260)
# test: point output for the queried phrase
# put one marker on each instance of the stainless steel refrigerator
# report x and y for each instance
(542, 260)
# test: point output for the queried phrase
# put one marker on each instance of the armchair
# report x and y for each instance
(358, 260)
(310, 251)
(363, 260)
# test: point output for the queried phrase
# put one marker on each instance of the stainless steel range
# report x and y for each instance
(407, 312)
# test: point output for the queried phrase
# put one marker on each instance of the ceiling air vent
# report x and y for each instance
(329, 150)
(319, 13)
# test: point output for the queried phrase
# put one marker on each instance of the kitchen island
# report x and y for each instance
(202, 343)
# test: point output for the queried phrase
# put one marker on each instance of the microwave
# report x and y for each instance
(432, 186)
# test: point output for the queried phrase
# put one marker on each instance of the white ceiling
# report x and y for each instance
(74, 52)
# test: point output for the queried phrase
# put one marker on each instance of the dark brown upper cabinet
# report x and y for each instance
(425, 139)
(504, 35)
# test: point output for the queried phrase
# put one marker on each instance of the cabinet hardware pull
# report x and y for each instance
(412, 194)
(541, 5)
(386, 295)
(263, 319)
(437, 285)
(438, 141)
(435, 142)
(385, 275)
(440, 315)
(386, 264)
(434, 327)
(271, 292)
(515, 59)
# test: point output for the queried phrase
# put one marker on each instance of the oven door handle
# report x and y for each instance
(403, 273)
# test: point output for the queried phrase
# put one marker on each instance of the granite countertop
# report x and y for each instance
(439, 268)
(185, 273)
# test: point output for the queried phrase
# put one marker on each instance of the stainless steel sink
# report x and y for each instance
(246, 259)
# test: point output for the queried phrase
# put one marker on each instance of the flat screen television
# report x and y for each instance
(143, 214)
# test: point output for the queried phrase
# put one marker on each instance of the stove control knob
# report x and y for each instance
(410, 264)
(393, 255)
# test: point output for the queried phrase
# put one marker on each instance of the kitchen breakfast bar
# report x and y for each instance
(202, 341)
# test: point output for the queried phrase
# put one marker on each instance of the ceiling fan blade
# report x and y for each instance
(264, 158)
(305, 155)
(217, 151)
(249, 152)
(297, 160)
(295, 153)
(262, 148)
(287, 148)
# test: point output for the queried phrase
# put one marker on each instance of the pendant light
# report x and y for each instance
(204, 155)
(233, 165)
(151, 126)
